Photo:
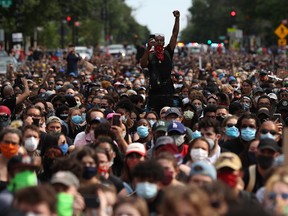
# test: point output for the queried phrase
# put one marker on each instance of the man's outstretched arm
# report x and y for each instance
(175, 30)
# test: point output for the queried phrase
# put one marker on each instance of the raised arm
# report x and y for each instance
(175, 31)
(145, 57)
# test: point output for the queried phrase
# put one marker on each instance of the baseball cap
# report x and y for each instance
(22, 161)
(53, 119)
(283, 105)
(268, 144)
(228, 159)
(257, 89)
(273, 96)
(176, 126)
(263, 111)
(173, 110)
(203, 168)
(136, 148)
(66, 178)
(164, 140)
(160, 126)
(5, 110)
(72, 74)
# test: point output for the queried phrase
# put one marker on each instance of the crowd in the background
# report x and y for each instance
(87, 143)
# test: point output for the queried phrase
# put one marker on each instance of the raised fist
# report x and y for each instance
(176, 13)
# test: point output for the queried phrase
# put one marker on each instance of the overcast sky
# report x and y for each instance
(157, 14)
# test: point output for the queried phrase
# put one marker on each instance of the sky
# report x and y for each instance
(157, 14)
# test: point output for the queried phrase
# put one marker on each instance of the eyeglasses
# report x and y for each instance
(273, 195)
(230, 125)
(265, 131)
(34, 115)
(246, 126)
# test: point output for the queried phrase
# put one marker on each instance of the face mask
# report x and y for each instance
(267, 136)
(188, 114)
(50, 113)
(175, 103)
(146, 190)
(248, 134)
(229, 178)
(286, 84)
(78, 103)
(144, 96)
(123, 118)
(64, 148)
(64, 204)
(211, 143)
(89, 172)
(179, 139)
(22, 180)
(168, 178)
(252, 157)
(63, 116)
(199, 108)
(142, 131)
(152, 122)
(31, 144)
(198, 154)
(76, 119)
(232, 132)
(196, 134)
(58, 87)
(265, 162)
(36, 122)
(220, 118)
(9, 150)
(102, 170)
(245, 106)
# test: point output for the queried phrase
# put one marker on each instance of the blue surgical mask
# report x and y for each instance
(89, 172)
(64, 148)
(76, 119)
(152, 122)
(58, 87)
(146, 190)
(142, 131)
(248, 134)
(196, 134)
(267, 136)
(232, 132)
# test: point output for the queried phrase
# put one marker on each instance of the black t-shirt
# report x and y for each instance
(72, 61)
(234, 145)
(117, 182)
(164, 70)
(259, 181)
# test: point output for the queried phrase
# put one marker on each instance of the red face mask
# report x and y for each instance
(9, 150)
(229, 178)
(102, 170)
(159, 52)
(168, 178)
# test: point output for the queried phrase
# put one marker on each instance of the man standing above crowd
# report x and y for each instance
(159, 63)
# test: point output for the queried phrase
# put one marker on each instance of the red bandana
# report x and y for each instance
(159, 52)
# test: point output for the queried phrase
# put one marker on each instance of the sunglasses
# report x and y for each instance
(264, 131)
(230, 125)
(4, 117)
(273, 195)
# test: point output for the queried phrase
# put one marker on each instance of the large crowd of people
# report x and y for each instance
(104, 136)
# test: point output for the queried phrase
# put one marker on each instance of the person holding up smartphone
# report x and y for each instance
(159, 64)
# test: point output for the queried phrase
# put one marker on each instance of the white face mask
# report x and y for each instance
(179, 139)
(31, 144)
(198, 154)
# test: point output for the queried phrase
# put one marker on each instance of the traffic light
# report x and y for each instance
(69, 19)
(209, 42)
(233, 13)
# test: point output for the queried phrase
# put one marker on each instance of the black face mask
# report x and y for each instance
(265, 162)
(36, 122)
(220, 118)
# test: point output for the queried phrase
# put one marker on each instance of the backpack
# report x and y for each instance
(252, 178)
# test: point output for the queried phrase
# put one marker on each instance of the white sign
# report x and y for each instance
(17, 37)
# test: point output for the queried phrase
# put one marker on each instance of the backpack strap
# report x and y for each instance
(252, 178)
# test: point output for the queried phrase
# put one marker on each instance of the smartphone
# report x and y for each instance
(152, 36)
(277, 117)
(92, 201)
(116, 119)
